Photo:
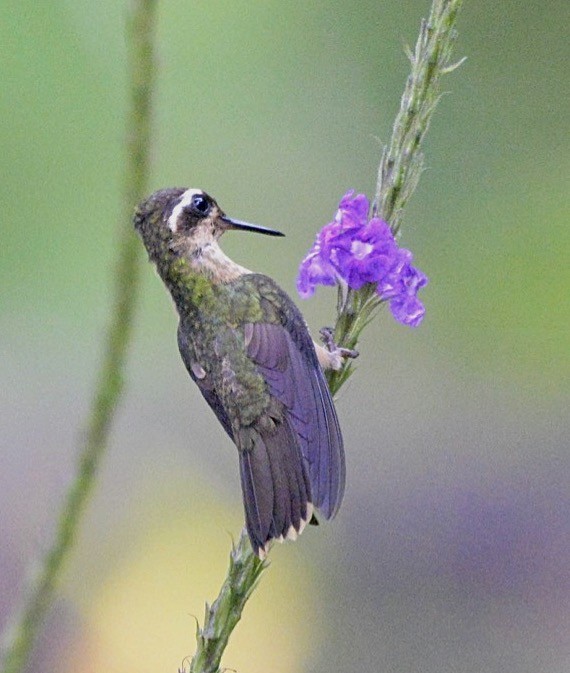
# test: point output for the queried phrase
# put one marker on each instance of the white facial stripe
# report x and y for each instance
(185, 200)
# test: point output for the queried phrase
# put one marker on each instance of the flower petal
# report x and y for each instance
(361, 251)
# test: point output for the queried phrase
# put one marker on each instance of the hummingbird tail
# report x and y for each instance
(275, 485)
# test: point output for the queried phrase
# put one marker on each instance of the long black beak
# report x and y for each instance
(246, 226)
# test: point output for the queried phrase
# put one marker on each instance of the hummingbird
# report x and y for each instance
(246, 345)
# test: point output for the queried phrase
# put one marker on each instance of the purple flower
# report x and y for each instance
(314, 270)
(358, 251)
(352, 210)
(404, 304)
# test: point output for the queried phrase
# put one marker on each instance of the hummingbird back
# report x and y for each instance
(246, 345)
(267, 389)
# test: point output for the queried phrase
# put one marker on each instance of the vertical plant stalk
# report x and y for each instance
(402, 160)
(21, 633)
(222, 617)
(398, 175)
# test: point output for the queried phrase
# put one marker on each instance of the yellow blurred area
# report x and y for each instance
(450, 553)
(143, 615)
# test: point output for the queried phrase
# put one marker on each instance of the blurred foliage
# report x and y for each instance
(142, 616)
(276, 109)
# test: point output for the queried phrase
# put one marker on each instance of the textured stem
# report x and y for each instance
(402, 159)
(222, 617)
(21, 633)
(398, 176)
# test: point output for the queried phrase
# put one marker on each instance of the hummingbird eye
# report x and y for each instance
(200, 204)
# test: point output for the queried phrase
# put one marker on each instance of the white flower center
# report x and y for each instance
(360, 250)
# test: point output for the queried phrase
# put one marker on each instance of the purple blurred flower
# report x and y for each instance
(405, 305)
(358, 251)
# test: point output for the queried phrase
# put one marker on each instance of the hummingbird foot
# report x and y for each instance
(335, 355)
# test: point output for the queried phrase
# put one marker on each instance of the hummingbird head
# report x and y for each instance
(175, 222)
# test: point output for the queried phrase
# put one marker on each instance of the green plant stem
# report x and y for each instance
(401, 163)
(402, 159)
(398, 174)
(222, 617)
(20, 636)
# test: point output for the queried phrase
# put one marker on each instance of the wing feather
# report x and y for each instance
(299, 384)
(291, 456)
(205, 385)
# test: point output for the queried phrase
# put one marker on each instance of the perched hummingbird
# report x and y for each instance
(247, 346)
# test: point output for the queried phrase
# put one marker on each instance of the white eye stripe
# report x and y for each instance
(185, 200)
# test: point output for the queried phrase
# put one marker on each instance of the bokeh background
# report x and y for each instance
(452, 549)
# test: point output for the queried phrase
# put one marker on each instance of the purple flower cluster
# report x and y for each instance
(358, 251)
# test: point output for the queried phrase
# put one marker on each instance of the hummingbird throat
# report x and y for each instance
(211, 261)
(195, 278)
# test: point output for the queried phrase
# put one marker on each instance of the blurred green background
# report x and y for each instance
(452, 549)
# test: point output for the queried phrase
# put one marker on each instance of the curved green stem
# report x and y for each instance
(21, 633)
(222, 617)
(398, 175)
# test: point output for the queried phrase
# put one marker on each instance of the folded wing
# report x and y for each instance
(294, 377)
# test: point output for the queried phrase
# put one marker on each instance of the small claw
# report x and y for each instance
(327, 337)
